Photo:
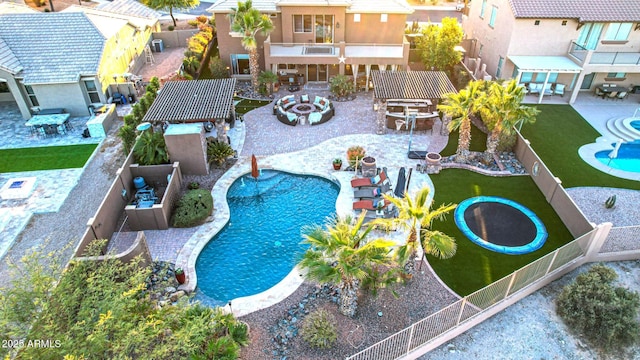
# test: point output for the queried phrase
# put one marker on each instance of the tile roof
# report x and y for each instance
(312, 2)
(129, 8)
(224, 6)
(108, 24)
(53, 47)
(352, 6)
(583, 10)
(193, 100)
(8, 61)
(410, 84)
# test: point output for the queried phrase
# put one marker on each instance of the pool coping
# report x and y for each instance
(588, 154)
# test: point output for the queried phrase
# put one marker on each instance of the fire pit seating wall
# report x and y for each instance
(324, 110)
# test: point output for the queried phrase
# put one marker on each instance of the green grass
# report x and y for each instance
(45, 158)
(474, 267)
(556, 136)
(478, 142)
(247, 105)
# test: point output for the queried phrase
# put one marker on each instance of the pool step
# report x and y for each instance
(620, 128)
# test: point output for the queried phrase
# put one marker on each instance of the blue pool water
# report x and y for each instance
(506, 227)
(635, 124)
(628, 157)
(260, 244)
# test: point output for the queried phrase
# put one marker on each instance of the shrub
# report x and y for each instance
(194, 185)
(218, 68)
(340, 85)
(193, 23)
(193, 208)
(127, 134)
(171, 27)
(354, 154)
(319, 329)
(604, 313)
(218, 152)
(202, 19)
(150, 149)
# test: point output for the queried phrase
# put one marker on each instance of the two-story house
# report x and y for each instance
(580, 43)
(318, 39)
(68, 59)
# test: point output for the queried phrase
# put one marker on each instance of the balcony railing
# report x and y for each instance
(328, 49)
(604, 58)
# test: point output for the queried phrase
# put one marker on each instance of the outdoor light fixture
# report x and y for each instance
(337, 25)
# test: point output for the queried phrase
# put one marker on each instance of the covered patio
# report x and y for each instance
(542, 75)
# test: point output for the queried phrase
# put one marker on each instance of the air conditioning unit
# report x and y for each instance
(157, 45)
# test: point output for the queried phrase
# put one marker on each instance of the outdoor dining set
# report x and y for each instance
(612, 91)
(49, 122)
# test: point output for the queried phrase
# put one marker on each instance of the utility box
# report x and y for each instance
(157, 45)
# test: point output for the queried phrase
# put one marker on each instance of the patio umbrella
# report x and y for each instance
(399, 191)
(614, 154)
(254, 167)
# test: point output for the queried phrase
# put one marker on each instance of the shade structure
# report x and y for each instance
(254, 167)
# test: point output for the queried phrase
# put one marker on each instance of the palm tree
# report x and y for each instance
(460, 107)
(248, 21)
(268, 78)
(339, 254)
(502, 110)
(415, 215)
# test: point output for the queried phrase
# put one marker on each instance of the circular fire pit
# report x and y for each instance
(303, 109)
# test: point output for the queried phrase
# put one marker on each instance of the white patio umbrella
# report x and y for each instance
(614, 154)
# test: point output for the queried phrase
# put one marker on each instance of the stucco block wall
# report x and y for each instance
(228, 45)
(67, 96)
(287, 22)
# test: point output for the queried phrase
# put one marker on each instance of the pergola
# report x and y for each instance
(193, 101)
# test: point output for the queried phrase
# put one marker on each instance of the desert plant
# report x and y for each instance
(267, 79)
(194, 185)
(217, 151)
(218, 68)
(603, 313)
(319, 329)
(341, 86)
(192, 22)
(239, 332)
(193, 208)
(127, 134)
(337, 161)
(150, 149)
(171, 27)
(355, 153)
(610, 202)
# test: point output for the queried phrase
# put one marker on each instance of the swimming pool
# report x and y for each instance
(500, 225)
(261, 243)
(628, 158)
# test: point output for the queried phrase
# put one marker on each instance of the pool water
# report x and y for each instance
(261, 243)
(628, 158)
(635, 124)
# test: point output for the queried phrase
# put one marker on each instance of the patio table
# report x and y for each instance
(58, 121)
(610, 89)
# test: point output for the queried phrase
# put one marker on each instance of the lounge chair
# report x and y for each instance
(559, 90)
(372, 193)
(370, 182)
(547, 89)
(371, 204)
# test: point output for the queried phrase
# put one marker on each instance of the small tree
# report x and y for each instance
(341, 86)
(169, 5)
(605, 314)
(218, 68)
(437, 43)
(268, 78)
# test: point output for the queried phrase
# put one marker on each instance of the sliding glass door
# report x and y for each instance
(324, 29)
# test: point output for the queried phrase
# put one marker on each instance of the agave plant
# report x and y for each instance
(150, 149)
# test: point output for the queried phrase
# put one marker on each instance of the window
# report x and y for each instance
(383, 17)
(240, 64)
(480, 50)
(526, 77)
(324, 29)
(564, 22)
(589, 35)
(492, 19)
(536, 23)
(302, 23)
(482, 8)
(616, 75)
(356, 17)
(499, 69)
(618, 31)
(32, 95)
(92, 91)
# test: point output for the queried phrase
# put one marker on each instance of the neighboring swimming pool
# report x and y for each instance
(500, 225)
(628, 158)
(261, 243)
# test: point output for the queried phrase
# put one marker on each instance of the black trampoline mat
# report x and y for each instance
(500, 224)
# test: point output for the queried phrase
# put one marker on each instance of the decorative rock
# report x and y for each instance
(169, 289)
(176, 295)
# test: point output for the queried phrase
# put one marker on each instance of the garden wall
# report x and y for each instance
(138, 248)
(570, 214)
(176, 38)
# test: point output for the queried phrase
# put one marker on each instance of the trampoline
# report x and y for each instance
(500, 225)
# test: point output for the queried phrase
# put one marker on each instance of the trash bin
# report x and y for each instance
(157, 45)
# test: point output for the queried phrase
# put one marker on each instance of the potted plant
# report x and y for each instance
(355, 154)
(337, 163)
(180, 276)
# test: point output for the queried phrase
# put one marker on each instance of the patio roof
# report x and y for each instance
(411, 84)
(193, 101)
(559, 64)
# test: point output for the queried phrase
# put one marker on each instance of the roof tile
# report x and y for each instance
(583, 10)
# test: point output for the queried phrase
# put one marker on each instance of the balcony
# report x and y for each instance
(592, 57)
(354, 52)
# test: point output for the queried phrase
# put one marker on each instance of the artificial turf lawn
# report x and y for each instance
(45, 158)
(474, 267)
(247, 105)
(556, 136)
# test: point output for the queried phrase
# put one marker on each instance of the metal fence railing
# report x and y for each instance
(473, 305)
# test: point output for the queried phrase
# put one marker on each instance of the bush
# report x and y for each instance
(341, 86)
(218, 152)
(319, 329)
(218, 68)
(355, 153)
(193, 208)
(150, 149)
(171, 27)
(127, 134)
(604, 313)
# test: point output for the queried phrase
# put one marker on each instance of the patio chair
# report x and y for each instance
(612, 95)
(535, 88)
(622, 95)
(372, 193)
(547, 89)
(370, 182)
(599, 92)
(370, 204)
(559, 90)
